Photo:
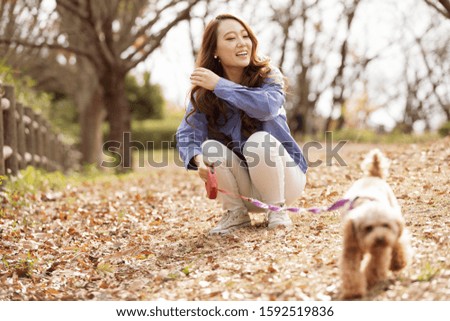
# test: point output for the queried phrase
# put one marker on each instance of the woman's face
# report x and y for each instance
(234, 46)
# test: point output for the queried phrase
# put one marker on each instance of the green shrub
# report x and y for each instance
(32, 180)
(356, 135)
(146, 100)
(64, 117)
(444, 130)
(24, 92)
(372, 137)
(160, 133)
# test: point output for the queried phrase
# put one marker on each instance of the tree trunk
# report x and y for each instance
(304, 105)
(119, 116)
(91, 119)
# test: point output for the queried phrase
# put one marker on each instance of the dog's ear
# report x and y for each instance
(400, 225)
(349, 229)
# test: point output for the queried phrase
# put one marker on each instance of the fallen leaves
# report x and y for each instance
(144, 237)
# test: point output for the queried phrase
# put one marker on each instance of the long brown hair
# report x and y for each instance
(206, 101)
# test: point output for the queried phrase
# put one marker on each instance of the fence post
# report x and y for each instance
(20, 137)
(49, 151)
(39, 141)
(58, 153)
(10, 128)
(54, 165)
(61, 153)
(44, 133)
(30, 137)
(26, 138)
(68, 159)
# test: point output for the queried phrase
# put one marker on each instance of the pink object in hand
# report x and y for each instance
(211, 184)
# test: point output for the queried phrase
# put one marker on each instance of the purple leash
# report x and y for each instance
(212, 189)
(316, 210)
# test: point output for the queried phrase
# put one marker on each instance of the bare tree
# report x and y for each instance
(426, 79)
(414, 104)
(285, 18)
(302, 25)
(294, 22)
(338, 83)
(202, 17)
(434, 75)
(114, 37)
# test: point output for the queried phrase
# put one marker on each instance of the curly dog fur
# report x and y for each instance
(373, 228)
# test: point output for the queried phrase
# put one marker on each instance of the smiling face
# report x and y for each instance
(234, 46)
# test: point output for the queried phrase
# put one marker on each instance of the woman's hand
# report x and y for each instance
(202, 168)
(204, 78)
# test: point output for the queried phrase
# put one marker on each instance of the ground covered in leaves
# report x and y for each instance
(144, 237)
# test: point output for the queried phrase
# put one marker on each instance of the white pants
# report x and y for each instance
(271, 175)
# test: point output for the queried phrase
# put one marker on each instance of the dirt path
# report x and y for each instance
(144, 237)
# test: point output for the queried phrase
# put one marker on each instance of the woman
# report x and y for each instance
(236, 121)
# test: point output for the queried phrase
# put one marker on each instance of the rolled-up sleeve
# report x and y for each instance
(190, 137)
(263, 103)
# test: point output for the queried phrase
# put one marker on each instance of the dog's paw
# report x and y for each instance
(397, 264)
(351, 295)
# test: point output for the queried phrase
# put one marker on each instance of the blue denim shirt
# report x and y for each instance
(264, 103)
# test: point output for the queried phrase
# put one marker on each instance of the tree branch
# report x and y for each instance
(430, 75)
(443, 11)
(446, 5)
(49, 46)
(156, 39)
(143, 29)
(105, 52)
(127, 23)
(67, 5)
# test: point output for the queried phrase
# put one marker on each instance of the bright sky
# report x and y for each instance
(377, 22)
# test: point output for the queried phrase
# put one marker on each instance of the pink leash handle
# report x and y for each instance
(211, 184)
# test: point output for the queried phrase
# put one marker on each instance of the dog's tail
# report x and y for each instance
(375, 164)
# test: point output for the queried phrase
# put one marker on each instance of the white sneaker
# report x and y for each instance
(279, 219)
(231, 221)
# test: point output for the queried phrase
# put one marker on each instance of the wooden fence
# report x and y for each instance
(26, 138)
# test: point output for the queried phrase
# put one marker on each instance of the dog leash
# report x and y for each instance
(212, 189)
